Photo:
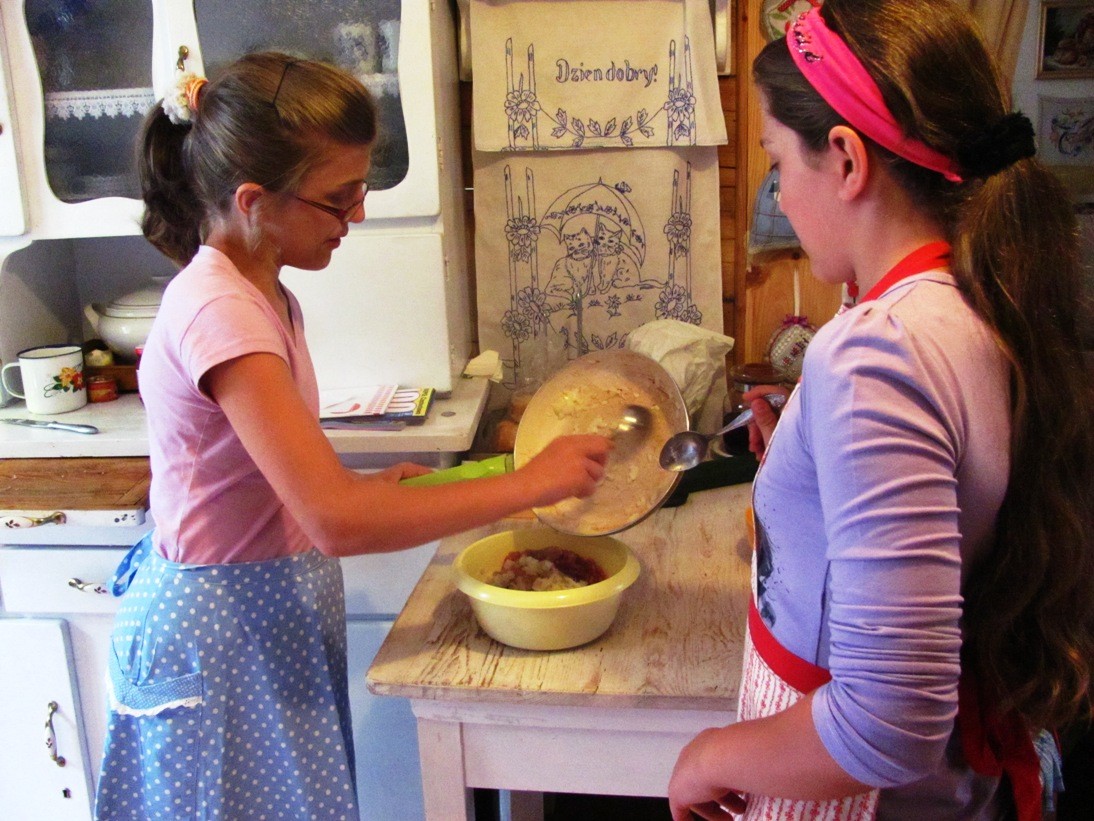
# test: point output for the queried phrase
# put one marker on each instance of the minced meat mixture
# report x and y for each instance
(548, 568)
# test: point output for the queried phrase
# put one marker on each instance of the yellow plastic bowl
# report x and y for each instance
(544, 620)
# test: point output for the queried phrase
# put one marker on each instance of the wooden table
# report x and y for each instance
(607, 718)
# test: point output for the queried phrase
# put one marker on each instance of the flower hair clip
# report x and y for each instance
(181, 101)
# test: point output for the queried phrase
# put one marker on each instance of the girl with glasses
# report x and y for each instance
(228, 689)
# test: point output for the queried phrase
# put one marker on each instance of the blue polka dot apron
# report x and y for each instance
(228, 691)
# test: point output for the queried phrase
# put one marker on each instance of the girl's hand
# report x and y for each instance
(764, 417)
(728, 806)
(403, 470)
(568, 466)
(691, 796)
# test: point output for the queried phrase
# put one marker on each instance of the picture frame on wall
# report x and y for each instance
(1065, 44)
(1065, 142)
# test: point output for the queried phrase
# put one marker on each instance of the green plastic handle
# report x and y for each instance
(494, 466)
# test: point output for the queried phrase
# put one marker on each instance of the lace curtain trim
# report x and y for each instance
(111, 102)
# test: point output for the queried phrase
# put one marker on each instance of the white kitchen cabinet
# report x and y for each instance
(83, 75)
(55, 580)
(384, 735)
(44, 769)
(12, 218)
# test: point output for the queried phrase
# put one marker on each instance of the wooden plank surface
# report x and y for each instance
(676, 642)
(764, 289)
(74, 484)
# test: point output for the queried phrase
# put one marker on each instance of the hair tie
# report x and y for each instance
(999, 146)
(180, 103)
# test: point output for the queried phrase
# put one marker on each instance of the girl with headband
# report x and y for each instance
(228, 686)
(923, 610)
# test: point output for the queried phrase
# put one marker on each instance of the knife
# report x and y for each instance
(69, 426)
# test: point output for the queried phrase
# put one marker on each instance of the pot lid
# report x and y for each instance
(141, 303)
(588, 396)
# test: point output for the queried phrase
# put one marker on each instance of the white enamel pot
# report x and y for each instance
(124, 323)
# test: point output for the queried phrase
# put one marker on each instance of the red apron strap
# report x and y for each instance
(930, 257)
(803, 676)
(996, 745)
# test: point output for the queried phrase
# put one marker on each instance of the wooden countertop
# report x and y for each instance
(676, 642)
(83, 484)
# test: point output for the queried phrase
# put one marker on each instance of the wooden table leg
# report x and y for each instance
(444, 787)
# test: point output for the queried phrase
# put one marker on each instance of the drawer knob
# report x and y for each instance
(88, 587)
(16, 520)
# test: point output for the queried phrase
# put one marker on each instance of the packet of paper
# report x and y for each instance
(696, 360)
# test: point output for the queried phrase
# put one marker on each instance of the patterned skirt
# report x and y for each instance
(228, 692)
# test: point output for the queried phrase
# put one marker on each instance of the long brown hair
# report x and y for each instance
(266, 119)
(1028, 622)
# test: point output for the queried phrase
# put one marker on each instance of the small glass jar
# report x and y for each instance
(102, 389)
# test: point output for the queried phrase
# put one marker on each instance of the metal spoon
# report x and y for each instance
(635, 419)
(687, 449)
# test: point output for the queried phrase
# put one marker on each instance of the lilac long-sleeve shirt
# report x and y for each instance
(878, 495)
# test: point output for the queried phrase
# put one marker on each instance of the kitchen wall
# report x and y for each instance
(1028, 91)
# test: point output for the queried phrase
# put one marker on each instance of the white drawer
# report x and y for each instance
(36, 579)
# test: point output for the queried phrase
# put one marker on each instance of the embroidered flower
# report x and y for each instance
(516, 326)
(522, 233)
(681, 110)
(672, 303)
(678, 231)
(521, 105)
(532, 303)
(180, 100)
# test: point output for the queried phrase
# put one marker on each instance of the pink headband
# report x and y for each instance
(838, 76)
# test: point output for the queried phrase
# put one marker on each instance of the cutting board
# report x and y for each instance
(116, 485)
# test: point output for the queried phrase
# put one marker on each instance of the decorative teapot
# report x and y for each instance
(124, 323)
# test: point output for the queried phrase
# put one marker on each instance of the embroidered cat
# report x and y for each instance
(572, 275)
(611, 267)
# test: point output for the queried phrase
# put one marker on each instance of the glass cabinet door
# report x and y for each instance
(361, 36)
(94, 58)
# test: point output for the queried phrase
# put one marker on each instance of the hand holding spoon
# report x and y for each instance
(688, 448)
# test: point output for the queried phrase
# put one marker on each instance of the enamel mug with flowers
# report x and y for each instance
(53, 378)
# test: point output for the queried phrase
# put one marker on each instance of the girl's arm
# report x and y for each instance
(346, 513)
(778, 755)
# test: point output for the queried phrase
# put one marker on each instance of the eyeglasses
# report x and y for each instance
(340, 214)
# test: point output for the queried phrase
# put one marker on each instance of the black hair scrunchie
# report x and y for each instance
(997, 147)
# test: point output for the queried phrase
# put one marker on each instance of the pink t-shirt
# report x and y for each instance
(211, 503)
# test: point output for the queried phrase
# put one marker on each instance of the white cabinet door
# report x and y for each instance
(379, 313)
(82, 82)
(40, 702)
(385, 736)
(387, 44)
(12, 217)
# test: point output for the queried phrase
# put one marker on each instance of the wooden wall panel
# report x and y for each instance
(765, 289)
